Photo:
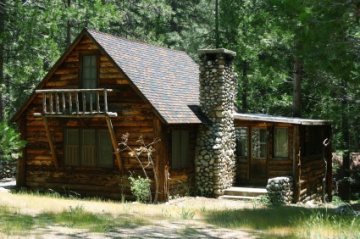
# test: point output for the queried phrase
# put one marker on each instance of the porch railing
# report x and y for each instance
(75, 102)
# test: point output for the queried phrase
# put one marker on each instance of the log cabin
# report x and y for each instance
(105, 86)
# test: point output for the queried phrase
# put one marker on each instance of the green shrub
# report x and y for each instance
(140, 188)
(9, 141)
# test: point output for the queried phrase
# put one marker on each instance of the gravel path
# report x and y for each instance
(6, 184)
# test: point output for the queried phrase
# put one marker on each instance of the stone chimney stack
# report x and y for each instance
(215, 158)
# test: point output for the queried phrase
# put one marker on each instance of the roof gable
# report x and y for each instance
(166, 78)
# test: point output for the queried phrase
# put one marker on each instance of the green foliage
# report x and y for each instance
(13, 223)
(186, 214)
(140, 188)
(266, 35)
(10, 142)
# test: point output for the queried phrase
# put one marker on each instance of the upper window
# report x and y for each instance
(180, 149)
(281, 142)
(89, 72)
(88, 147)
(241, 141)
(259, 143)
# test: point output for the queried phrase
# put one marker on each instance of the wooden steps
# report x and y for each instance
(243, 193)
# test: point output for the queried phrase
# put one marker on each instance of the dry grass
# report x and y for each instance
(180, 218)
(33, 204)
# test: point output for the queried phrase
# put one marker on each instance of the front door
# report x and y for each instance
(258, 156)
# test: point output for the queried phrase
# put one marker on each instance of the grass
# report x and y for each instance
(288, 222)
(30, 213)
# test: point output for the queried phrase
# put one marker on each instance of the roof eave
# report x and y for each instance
(277, 119)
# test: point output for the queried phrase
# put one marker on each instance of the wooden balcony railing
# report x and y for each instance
(75, 103)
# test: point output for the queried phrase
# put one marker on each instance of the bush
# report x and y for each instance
(140, 188)
(9, 141)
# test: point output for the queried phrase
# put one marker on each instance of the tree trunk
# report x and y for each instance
(217, 38)
(244, 87)
(2, 29)
(346, 190)
(68, 28)
(297, 102)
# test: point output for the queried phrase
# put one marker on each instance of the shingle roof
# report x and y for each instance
(167, 78)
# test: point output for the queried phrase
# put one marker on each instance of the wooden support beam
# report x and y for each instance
(161, 160)
(51, 143)
(114, 144)
(21, 173)
(297, 162)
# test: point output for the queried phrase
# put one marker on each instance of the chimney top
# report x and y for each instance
(216, 51)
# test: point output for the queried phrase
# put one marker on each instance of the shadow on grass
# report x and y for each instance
(279, 222)
(13, 223)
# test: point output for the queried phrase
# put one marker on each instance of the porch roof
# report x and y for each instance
(280, 119)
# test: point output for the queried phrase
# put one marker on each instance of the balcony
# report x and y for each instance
(75, 103)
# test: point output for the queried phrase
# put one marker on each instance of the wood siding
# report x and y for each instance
(312, 164)
(135, 116)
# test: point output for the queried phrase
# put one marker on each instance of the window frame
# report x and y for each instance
(97, 157)
(81, 70)
(261, 143)
(242, 142)
(180, 140)
(275, 139)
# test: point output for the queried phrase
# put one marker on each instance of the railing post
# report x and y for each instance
(70, 103)
(63, 102)
(44, 102)
(77, 102)
(51, 103)
(98, 101)
(57, 110)
(105, 101)
(84, 102)
(91, 101)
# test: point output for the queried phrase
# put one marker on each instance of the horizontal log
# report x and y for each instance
(72, 58)
(115, 75)
(106, 64)
(113, 83)
(39, 163)
(110, 69)
(56, 83)
(71, 79)
(67, 71)
(87, 47)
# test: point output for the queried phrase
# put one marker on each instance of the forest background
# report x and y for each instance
(294, 57)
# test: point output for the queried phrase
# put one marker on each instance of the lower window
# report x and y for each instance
(281, 142)
(259, 143)
(180, 149)
(88, 147)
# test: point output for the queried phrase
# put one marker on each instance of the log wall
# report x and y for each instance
(312, 164)
(135, 116)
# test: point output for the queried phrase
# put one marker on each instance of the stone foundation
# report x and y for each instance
(215, 158)
(280, 190)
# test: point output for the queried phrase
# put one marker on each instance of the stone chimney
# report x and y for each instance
(215, 158)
